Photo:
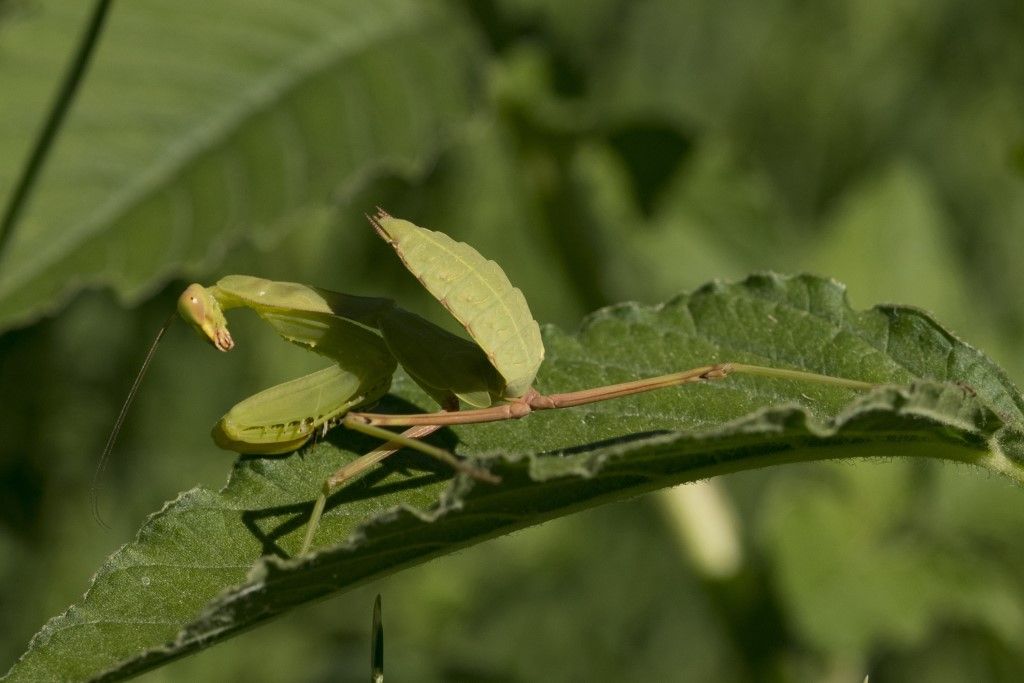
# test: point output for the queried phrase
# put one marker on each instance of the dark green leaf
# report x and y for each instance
(189, 578)
(201, 124)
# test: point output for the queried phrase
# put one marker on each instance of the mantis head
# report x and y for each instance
(198, 306)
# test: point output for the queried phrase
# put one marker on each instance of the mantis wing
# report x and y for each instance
(443, 364)
(477, 293)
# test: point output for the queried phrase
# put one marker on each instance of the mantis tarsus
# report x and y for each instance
(367, 338)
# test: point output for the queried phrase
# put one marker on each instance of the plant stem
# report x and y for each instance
(58, 111)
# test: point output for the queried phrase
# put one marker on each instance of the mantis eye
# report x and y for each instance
(190, 304)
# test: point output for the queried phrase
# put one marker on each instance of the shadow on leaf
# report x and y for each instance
(292, 517)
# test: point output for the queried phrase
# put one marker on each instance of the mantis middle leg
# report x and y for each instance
(410, 438)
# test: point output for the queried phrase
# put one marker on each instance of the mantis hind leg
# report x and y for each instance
(410, 438)
(407, 440)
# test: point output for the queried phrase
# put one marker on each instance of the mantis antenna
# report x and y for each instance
(112, 439)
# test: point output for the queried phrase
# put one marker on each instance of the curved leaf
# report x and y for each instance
(203, 122)
(189, 578)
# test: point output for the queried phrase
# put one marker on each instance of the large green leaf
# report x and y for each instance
(189, 578)
(876, 583)
(203, 122)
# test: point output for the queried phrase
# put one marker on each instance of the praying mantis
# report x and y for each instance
(487, 379)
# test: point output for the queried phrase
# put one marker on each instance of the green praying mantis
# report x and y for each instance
(487, 379)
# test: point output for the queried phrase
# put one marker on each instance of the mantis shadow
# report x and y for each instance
(366, 487)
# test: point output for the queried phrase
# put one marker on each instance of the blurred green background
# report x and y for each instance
(601, 151)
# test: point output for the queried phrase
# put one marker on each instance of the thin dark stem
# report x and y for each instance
(377, 644)
(58, 111)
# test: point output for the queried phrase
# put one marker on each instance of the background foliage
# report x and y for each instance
(601, 151)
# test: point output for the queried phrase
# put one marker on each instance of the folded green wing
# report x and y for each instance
(477, 293)
(440, 362)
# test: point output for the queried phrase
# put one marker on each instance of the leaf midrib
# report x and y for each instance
(265, 96)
